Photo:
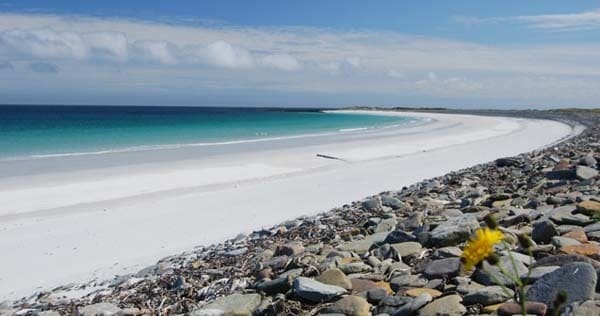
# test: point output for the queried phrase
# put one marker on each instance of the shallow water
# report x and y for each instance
(55, 131)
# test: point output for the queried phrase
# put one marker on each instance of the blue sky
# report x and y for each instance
(301, 53)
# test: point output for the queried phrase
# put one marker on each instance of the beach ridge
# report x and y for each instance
(363, 240)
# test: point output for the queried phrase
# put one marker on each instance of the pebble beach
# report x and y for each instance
(394, 253)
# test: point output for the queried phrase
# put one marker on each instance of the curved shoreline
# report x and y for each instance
(176, 146)
(84, 235)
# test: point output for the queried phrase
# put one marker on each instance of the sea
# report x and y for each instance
(34, 132)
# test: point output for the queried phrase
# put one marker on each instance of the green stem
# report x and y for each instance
(497, 281)
(513, 262)
(530, 263)
(523, 300)
(512, 278)
(519, 287)
(519, 282)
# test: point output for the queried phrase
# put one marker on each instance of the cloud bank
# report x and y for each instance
(146, 61)
(108, 46)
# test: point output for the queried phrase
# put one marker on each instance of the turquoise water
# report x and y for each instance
(37, 131)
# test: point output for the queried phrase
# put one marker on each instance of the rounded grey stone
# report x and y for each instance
(482, 275)
(448, 305)
(316, 291)
(489, 295)
(543, 231)
(577, 279)
(448, 267)
(454, 231)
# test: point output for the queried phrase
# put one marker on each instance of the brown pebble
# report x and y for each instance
(532, 308)
(418, 291)
(562, 165)
(264, 274)
(588, 250)
(577, 234)
(290, 249)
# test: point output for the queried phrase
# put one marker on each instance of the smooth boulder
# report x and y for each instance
(454, 231)
(335, 277)
(443, 268)
(577, 279)
(585, 173)
(315, 291)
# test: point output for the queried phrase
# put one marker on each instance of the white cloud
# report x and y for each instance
(582, 20)
(161, 52)
(346, 66)
(47, 43)
(107, 45)
(44, 36)
(43, 43)
(223, 54)
(148, 57)
(430, 79)
(565, 21)
(282, 61)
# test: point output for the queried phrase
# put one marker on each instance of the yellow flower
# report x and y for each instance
(480, 246)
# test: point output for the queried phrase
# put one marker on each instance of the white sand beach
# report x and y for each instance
(89, 222)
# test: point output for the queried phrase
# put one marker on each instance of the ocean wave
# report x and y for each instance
(353, 129)
(180, 145)
(142, 148)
